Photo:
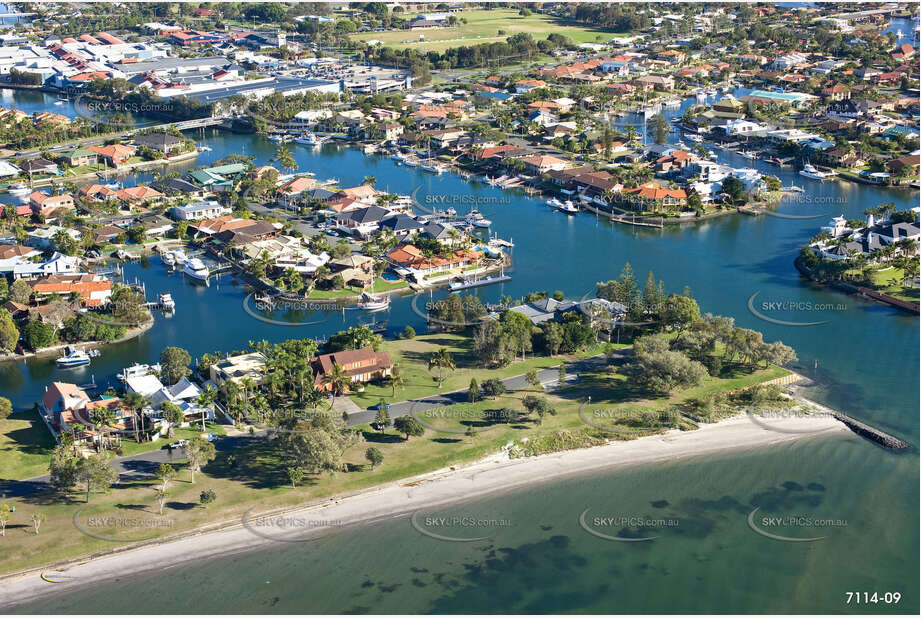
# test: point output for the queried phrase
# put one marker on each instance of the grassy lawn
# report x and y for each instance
(256, 475)
(343, 293)
(483, 27)
(130, 447)
(889, 281)
(412, 357)
(25, 445)
(382, 285)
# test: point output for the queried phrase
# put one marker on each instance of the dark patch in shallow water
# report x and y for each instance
(659, 504)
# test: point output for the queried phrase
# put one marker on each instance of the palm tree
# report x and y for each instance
(284, 158)
(102, 418)
(443, 360)
(337, 379)
(206, 399)
(369, 180)
(396, 380)
(136, 402)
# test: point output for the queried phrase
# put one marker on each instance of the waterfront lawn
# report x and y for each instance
(483, 27)
(382, 285)
(412, 357)
(254, 476)
(326, 294)
(25, 446)
(888, 280)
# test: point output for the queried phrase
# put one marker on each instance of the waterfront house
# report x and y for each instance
(237, 368)
(155, 225)
(114, 154)
(39, 166)
(652, 196)
(552, 310)
(103, 235)
(411, 258)
(362, 222)
(540, 164)
(46, 205)
(94, 290)
(402, 225)
(98, 193)
(79, 157)
(360, 366)
(161, 142)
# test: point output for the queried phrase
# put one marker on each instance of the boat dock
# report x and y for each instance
(478, 282)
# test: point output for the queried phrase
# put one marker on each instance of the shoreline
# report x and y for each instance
(130, 334)
(495, 474)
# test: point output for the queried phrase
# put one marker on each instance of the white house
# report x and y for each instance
(199, 210)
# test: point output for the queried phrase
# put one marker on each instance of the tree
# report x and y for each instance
(660, 125)
(295, 475)
(396, 380)
(409, 332)
(64, 469)
(679, 311)
(135, 402)
(408, 426)
(473, 392)
(5, 511)
(97, 474)
(337, 379)
(199, 451)
(660, 369)
(562, 373)
(38, 518)
(369, 180)
(38, 335)
(174, 364)
(6, 408)
(381, 418)
(207, 496)
(9, 332)
(160, 494)
(532, 378)
(165, 474)
(284, 157)
(173, 416)
(374, 456)
(443, 361)
(493, 387)
(733, 188)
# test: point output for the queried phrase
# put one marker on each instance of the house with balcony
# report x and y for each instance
(361, 366)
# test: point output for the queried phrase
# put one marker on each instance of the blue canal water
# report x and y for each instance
(864, 358)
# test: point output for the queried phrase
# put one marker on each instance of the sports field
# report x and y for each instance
(483, 27)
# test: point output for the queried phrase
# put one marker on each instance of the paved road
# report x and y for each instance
(144, 464)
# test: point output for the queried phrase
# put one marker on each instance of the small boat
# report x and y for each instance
(330, 181)
(410, 162)
(74, 357)
(693, 138)
(476, 219)
(196, 269)
(554, 203)
(166, 302)
(373, 303)
(20, 188)
(569, 208)
(168, 258)
(747, 155)
(809, 171)
(369, 149)
(451, 212)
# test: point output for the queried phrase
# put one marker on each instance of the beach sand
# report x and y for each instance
(495, 474)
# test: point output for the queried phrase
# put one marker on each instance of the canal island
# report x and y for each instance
(342, 263)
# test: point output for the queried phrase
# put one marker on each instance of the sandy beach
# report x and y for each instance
(495, 474)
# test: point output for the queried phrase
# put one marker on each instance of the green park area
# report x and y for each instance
(484, 26)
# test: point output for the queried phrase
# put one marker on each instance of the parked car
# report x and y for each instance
(179, 444)
(211, 437)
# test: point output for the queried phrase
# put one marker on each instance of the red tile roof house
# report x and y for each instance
(139, 194)
(653, 196)
(94, 292)
(409, 256)
(99, 193)
(66, 407)
(360, 366)
(296, 186)
(116, 154)
(45, 205)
